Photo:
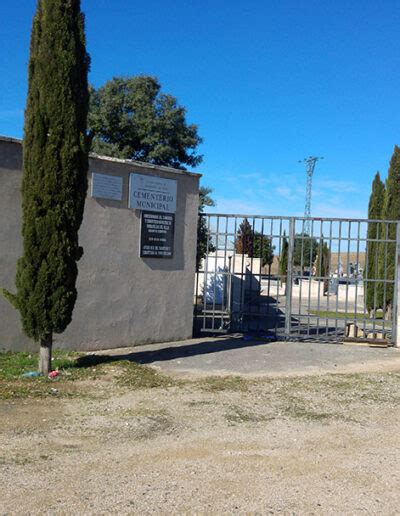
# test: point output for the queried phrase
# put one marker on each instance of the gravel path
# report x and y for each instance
(323, 444)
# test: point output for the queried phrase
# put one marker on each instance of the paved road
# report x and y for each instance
(238, 356)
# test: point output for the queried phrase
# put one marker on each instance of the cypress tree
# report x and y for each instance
(322, 264)
(245, 239)
(283, 259)
(55, 163)
(373, 292)
(391, 211)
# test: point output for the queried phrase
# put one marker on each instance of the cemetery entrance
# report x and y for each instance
(298, 278)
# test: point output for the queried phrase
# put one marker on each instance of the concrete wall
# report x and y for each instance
(123, 300)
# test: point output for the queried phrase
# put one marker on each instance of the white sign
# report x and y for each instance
(152, 193)
(105, 186)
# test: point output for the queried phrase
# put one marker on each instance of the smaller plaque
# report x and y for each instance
(105, 186)
(157, 235)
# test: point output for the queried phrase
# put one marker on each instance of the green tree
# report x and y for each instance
(283, 259)
(204, 240)
(245, 239)
(305, 251)
(373, 293)
(130, 118)
(391, 211)
(322, 264)
(55, 166)
(263, 249)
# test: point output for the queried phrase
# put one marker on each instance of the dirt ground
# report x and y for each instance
(305, 444)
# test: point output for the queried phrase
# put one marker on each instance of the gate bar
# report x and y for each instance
(289, 279)
(396, 294)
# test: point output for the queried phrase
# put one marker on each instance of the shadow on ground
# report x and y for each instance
(172, 352)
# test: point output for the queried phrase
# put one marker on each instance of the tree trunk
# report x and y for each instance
(46, 345)
(388, 313)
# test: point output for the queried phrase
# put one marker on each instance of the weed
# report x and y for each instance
(239, 415)
(200, 403)
(224, 383)
(137, 376)
(302, 412)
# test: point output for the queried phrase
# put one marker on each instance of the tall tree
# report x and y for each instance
(204, 240)
(55, 164)
(304, 251)
(322, 264)
(283, 259)
(130, 118)
(245, 239)
(373, 292)
(391, 211)
(263, 249)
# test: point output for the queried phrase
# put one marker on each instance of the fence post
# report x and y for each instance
(396, 296)
(289, 278)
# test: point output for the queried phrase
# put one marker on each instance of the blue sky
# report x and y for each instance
(268, 83)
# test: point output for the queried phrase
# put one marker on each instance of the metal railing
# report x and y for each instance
(265, 274)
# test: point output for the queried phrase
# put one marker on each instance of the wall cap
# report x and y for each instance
(140, 164)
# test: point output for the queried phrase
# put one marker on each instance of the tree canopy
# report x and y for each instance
(263, 248)
(254, 243)
(305, 251)
(131, 118)
(245, 239)
(204, 240)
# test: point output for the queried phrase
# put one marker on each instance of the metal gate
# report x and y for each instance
(297, 278)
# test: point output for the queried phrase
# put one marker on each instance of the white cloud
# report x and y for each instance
(239, 206)
(256, 193)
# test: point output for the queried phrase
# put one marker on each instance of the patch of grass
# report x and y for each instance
(344, 315)
(200, 403)
(224, 383)
(17, 460)
(239, 415)
(36, 388)
(299, 411)
(13, 364)
(350, 316)
(72, 366)
(136, 376)
(363, 387)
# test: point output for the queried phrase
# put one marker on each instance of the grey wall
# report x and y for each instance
(123, 300)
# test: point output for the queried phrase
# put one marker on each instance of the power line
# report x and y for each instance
(310, 166)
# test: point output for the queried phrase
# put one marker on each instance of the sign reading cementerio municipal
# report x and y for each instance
(152, 193)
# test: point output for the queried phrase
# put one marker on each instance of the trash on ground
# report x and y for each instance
(53, 374)
(32, 374)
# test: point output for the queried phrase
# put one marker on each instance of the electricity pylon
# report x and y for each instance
(310, 165)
